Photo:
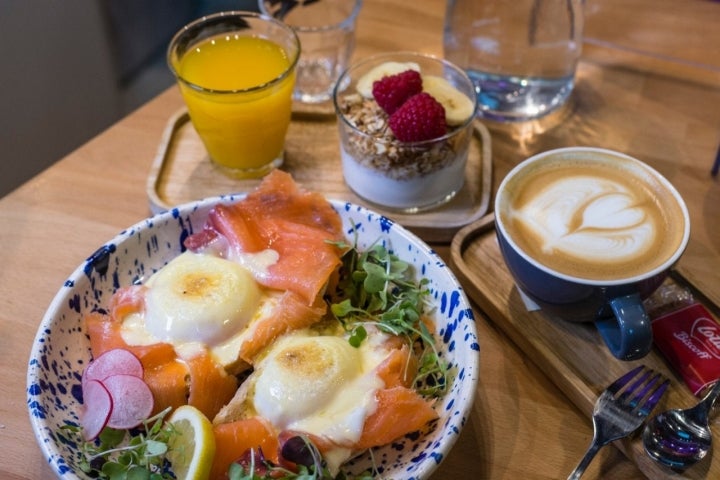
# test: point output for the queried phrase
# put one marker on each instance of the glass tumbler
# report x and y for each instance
(236, 72)
(326, 29)
(520, 54)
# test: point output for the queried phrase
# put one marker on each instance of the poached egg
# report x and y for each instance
(201, 301)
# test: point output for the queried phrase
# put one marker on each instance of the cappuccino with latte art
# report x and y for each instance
(587, 234)
(592, 215)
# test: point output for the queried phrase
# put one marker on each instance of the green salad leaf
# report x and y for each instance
(129, 455)
(377, 287)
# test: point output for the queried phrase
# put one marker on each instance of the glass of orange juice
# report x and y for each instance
(236, 72)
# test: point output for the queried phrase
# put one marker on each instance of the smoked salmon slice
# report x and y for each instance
(169, 385)
(306, 258)
(236, 438)
(164, 374)
(291, 313)
(173, 382)
(230, 221)
(399, 368)
(127, 300)
(279, 215)
(400, 410)
(105, 334)
(279, 196)
(210, 387)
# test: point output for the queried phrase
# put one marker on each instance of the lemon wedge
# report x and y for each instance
(192, 449)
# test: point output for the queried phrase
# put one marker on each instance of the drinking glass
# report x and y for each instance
(326, 29)
(521, 54)
(236, 72)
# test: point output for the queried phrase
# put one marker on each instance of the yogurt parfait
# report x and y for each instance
(405, 124)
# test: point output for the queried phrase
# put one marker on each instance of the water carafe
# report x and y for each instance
(521, 54)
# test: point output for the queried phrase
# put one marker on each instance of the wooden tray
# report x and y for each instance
(182, 172)
(572, 355)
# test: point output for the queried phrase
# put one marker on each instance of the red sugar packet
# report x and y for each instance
(687, 335)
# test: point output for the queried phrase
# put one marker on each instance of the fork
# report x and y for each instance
(621, 409)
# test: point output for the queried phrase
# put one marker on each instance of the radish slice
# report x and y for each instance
(132, 400)
(113, 362)
(98, 405)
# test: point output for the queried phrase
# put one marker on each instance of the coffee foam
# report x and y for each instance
(595, 217)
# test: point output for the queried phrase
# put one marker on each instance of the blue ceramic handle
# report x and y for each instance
(628, 333)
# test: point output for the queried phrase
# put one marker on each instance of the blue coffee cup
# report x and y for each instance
(587, 234)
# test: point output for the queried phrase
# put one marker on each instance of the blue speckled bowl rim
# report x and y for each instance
(421, 454)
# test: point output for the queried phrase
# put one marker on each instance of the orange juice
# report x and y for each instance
(238, 90)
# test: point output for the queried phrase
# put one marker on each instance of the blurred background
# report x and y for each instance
(70, 69)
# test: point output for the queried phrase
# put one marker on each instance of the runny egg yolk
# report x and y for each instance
(200, 298)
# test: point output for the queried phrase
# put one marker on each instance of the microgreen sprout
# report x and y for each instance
(141, 457)
(377, 287)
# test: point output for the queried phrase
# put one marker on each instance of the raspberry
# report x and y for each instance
(390, 92)
(420, 118)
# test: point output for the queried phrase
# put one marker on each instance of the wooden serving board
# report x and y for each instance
(572, 355)
(182, 172)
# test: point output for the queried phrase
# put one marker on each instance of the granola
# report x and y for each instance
(374, 146)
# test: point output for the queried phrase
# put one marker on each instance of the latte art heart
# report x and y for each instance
(612, 211)
(591, 218)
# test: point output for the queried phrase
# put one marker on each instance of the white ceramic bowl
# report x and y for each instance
(62, 350)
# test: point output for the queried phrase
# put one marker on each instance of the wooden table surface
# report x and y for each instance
(521, 425)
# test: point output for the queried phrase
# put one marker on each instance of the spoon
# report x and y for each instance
(680, 438)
